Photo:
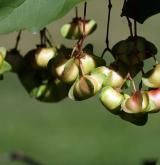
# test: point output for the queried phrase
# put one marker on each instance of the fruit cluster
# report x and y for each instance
(50, 74)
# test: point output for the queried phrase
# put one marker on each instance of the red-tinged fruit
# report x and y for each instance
(137, 103)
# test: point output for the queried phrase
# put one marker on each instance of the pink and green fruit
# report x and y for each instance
(154, 100)
(86, 87)
(137, 103)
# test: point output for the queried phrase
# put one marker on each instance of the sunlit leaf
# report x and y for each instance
(32, 14)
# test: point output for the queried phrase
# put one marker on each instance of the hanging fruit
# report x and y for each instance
(74, 29)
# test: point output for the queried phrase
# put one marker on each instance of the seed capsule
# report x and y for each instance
(88, 62)
(43, 55)
(74, 30)
(86, 87)
(154, 100)
(3, 52)
(65, 69)
(152, 78)
(137, 103)
(111, 99)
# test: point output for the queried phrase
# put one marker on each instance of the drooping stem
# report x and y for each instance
(129, 21)
(84, 19)
(135, 28)
(18, 39)
(50, 38)
(76, 12)
(84, 25)
(81, 41)
(130, 26)
(108, 28)
(108, 22)
(42, 37)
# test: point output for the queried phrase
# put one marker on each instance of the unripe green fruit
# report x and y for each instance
(101, 70)
(154, 100)
(115, 80)
(70, 72)
(71, 31)
(39, 58)
(74, 30)
(88, 62)
(1, 59)
(111, 99)
(152, 78)
(3, 51)
(4, 65)
(65, 69)
(43, 55)
(112, 78)
(58, 64)
(90, 26)
(137, 103)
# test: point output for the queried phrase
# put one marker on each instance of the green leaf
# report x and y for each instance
(140, 10)
(32, 14)
(7, 6)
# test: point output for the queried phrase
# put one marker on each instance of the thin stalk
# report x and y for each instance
(108, 28)
(42, 37)
(18, 39)
(50, 36)
(135, 28)
(76, 12)
(48, 41)
(81, 41)
(129, 22)
(130, 26)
